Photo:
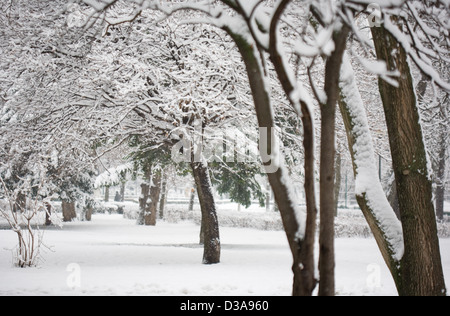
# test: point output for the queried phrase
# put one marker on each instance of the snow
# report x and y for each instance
(425, 67)
(117, 257)
(383, 3)
(379, 67)
(98, 5)
(112, 176)
(113, 256)
(366, 171)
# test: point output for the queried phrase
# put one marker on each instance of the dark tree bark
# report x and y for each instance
(88, 213)
(107, 194)
(302, 250)
(68, 210)
(202, 233)
(421, 267)
(143, 199)
(48, 213)
(162, 202)
(210, 223)
(337, 185)
(327, 164)
(152, 205)
(393, 197)
(122, 191)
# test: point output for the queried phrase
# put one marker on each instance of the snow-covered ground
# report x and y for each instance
(113, 256)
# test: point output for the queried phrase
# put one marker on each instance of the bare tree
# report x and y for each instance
(25, 223)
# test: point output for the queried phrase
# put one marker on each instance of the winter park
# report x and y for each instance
(225, 148)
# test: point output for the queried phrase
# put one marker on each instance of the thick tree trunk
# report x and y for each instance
(152, 204)
(202, 233)
(337, 185)
(393, 198)
(68, 210)
(88, 210)
(421, 267)
(88, 213)
(162, 202)
(48, 213)
(210, 223)
(107, 194)
(143, 199)
(122, 191)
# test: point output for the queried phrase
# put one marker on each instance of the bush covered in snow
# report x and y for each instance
(349, 223)
(243, 219)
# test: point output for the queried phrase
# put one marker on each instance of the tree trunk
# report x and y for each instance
(152, 205)
(421, 267)
(393, 197)
(122, 191)
(88, 210)
(327, 164)
(302, 249)
(162, 202)
(143, 199)
(68, 210)
(202, 233)
(48, 213)
(210, 223)
(88, 213)
(337, 185)
(192, 200)
(301, 239)
(107, 194)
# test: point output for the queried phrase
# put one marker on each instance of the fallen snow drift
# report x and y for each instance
(113, 256)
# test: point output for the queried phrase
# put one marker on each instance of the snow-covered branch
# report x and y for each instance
(373, 202)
